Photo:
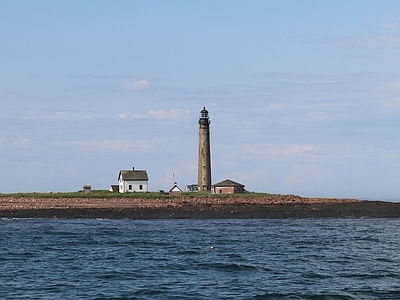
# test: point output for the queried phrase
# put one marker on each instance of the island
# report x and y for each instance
(103, 204)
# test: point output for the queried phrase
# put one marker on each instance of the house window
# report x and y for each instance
(130, 187)
(140, 187)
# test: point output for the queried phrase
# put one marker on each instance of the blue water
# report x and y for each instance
(174, 259)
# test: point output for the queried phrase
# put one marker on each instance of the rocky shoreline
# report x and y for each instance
(274, 207)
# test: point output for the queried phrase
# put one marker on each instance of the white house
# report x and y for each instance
(131, 181)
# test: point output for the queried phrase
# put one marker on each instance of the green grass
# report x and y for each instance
(108, 194)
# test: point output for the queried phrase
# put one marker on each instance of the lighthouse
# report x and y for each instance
(204, 161)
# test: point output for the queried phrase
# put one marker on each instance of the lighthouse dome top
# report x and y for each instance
(204, 113)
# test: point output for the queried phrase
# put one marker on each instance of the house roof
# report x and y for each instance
(175, 188)
(133, 175)
(228, 183)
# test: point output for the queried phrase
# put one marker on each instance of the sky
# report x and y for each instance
(303, 96)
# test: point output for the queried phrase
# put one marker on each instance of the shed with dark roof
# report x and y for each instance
(228, 187)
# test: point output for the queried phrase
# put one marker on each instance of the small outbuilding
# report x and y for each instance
(175, 191)
(192, 188)
(87, 188)
(114, 188)
(131, 181)
(228, 187)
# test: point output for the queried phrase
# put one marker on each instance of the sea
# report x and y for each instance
(200, 259)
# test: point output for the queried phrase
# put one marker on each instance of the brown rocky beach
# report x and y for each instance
(276, 206)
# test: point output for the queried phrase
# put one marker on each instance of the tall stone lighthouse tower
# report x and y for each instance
(204, 168)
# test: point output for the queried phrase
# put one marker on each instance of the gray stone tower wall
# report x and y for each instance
(204, 161)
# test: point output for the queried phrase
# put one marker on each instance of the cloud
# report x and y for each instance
(287, 121)
(374, 42)
(20, 143)
(137, 85)
(292, 76)
(277, 106)
(68, 170)
(338, 97)
(389, 25)
(114, 145)
(314, 151)
(321, 152)
(176, 113)
(60, 115)
(123, 115)
(284, 150)
(244, 176)
(300, 174)
(391, 103)
(73, 115)
(93, 76)
(318, 116)
(172, 114)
